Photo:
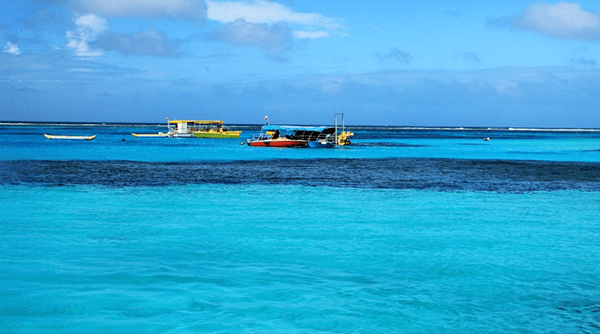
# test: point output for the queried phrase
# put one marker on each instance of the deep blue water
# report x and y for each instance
(406, 231)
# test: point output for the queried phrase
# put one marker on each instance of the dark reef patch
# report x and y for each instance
(397, 173)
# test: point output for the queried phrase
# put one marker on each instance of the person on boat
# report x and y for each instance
(273, 134)
(343, 138)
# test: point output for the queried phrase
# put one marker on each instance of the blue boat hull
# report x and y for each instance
(319, 144)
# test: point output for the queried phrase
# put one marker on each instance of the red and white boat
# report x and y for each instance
(278, 142)
(300, 136)
(288, 136)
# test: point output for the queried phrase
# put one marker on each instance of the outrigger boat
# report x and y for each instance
(193, 129)
(151, 135)
(181, 129)
(213, 129)
(70, 137)
(200, 129)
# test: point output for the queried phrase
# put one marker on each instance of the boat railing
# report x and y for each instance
(261, 136)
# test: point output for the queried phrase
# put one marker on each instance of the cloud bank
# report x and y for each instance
(275, 39)
(271, 26)
(144, 43)
(564, 20)
(309, 25)
(517, 96)
(92, 37)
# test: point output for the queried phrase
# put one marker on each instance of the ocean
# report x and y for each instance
(409, 230)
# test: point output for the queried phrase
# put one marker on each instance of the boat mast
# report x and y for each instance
(335, 117)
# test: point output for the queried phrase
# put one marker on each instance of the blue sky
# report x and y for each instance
(381, 62)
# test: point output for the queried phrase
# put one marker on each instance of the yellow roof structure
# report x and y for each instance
(197, 122)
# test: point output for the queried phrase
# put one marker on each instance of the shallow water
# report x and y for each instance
(116, 143)
(375, 238)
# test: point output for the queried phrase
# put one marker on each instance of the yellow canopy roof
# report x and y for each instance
(198, 122)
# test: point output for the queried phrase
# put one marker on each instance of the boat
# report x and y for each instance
(272, 138)
(291, 136)
(151, 135)
(200, 129)
(301, 136)
(70, 137)
(192, 129)
(181, 128)
(213, 129)
(342, 138)
(321, 144)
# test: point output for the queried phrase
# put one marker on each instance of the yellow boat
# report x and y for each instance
(213, 129)
(191, 129)
(70, 137)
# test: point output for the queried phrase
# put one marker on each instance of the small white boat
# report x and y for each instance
(150, 135)
(70, 137)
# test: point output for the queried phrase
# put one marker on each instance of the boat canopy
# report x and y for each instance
(197, 122)
(270, 127)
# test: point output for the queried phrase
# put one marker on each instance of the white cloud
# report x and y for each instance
(92, 37)
(331, 85)
(265, 12)
(12, 49)
(564, 20)
(92, 22)
(189, 9)
(302, 34)
(275, 39)
(88, 28)
(145, 43)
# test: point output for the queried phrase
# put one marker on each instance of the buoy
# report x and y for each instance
(242, 143)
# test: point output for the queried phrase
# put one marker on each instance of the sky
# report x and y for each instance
(380, 62)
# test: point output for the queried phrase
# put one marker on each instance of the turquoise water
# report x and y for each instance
(28, 143)
(85, 255)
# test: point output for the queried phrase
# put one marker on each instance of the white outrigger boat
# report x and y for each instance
(151, 135)
(155, 135)
(70, 137)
